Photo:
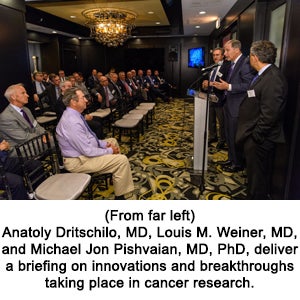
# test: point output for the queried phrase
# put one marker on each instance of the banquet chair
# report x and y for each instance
(44, 183)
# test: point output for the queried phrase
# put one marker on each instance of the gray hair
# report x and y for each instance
(70, 94)
(235, 44)
(265, 51)
(11, 90)
(62, 83)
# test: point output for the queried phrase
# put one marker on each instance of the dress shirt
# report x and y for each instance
(229, 75)
(75, 139)
(39, 87)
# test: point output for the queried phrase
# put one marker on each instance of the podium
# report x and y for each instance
(199, 130)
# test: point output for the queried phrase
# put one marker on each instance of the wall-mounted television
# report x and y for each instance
(196, 57)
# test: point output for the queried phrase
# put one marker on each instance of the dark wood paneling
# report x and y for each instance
(14, 59)
(246, 25)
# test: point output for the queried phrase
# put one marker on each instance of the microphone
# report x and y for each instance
(211, 67)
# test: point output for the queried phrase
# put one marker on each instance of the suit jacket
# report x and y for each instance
(92, 82)
(261, 112)
(34, 90)
(15, 129)
(240, 80)
(51, 91)
(221, 74)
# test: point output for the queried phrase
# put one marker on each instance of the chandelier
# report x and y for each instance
(110, 26)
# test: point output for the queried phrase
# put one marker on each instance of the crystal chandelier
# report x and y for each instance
(110, 26)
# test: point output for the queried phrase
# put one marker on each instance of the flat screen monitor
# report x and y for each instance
(196, 58)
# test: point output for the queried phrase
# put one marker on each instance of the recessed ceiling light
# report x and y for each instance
(73, 17)
(157, 23)
(54, 31)
(202, 12)
(150, 12)
(197, 26)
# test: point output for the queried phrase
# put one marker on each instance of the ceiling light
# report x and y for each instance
(110, 26)
(218, 23)
(150, 12)
(197, 26)
(157, 23)
(202, 12)
(73, 17)
(54, 31)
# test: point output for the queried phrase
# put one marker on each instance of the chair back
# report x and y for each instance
(5, 192)
(36, 149)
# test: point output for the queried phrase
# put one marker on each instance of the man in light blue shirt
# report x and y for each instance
(83, 152)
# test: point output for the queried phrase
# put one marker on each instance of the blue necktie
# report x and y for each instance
(213, 75)
(254, 79)
(90, 130)
(230, 72)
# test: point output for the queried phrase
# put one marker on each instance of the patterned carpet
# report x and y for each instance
(162, 162)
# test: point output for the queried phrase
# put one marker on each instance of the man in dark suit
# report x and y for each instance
(53, 90)
(93, 80)
(217, 103)
(13, 173)
(260, 124)
(40, 93)
(238, 79)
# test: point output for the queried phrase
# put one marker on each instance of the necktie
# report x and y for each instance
(254, 79)
(133, 84)
(128, 90)
(230, 72)
(42, 87)
(57, 90)
(90, 130)
(106, 96)
(212, 78)
(213, 74)
(26, 118)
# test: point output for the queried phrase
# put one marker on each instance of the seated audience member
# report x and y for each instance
(83, 152)
(13, 173)
(53, 90)
(17, 124)
(39, 91)
(62, 75)
(92, 80)
(139, 79)
(107, 92)
(154, 91)
(136, 91)
(162, 84)
(60, 107)
(94, 122)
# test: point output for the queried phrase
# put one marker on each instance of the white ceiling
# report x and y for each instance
(214, 9)
(190, 12)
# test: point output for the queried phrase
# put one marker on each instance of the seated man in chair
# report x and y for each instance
(83, 152)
